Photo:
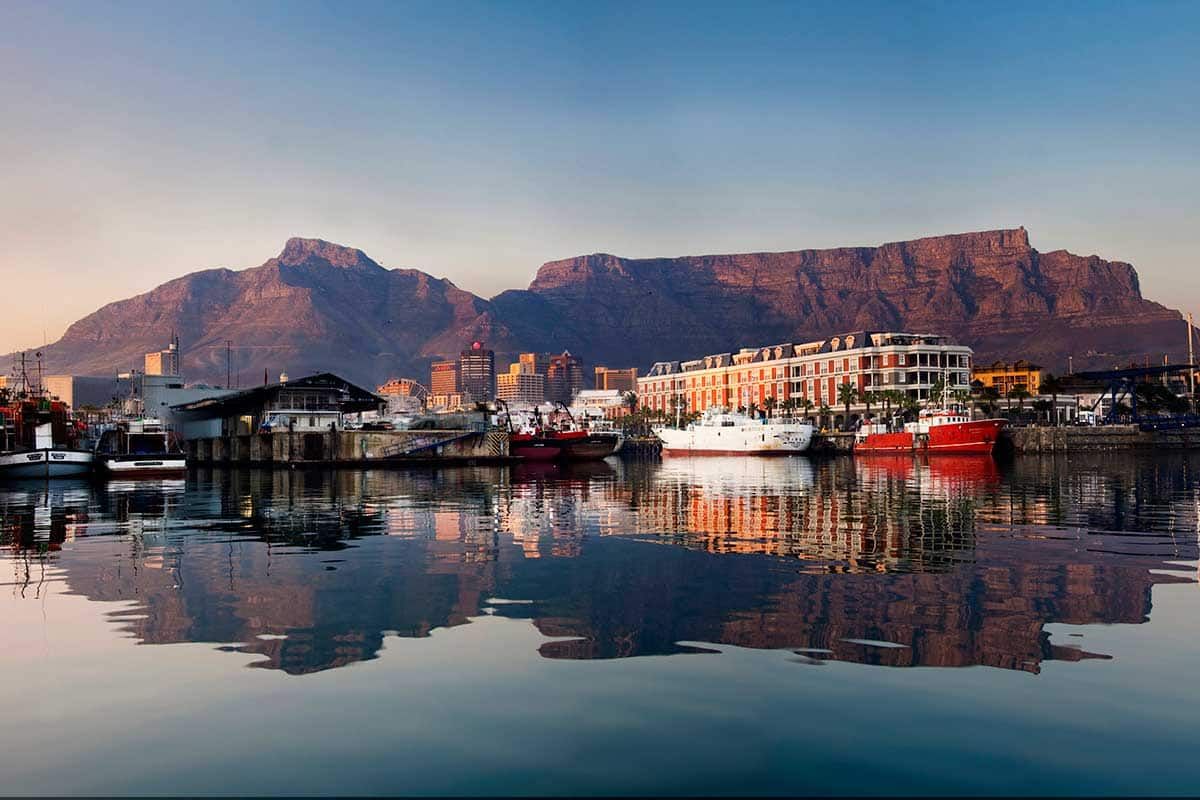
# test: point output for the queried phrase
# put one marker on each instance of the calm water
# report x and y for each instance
(704, 626)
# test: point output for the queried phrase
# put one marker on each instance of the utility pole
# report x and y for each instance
(228, 364)
(1191, 363)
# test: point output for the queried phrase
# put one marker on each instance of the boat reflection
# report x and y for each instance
(899, 562)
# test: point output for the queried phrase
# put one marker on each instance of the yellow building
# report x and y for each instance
(1005, 376)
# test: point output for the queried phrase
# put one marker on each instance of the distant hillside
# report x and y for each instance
(320, 306)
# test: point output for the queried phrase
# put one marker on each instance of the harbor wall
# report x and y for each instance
(1097, 439)
(352, 447)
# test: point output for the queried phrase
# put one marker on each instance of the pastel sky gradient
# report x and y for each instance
(477, 140)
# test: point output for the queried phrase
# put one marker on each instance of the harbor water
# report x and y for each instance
(696, 625)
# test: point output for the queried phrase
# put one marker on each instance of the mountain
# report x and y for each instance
(321, 306)
(990, 290)
(316, 306)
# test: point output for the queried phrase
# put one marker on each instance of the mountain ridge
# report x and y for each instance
(320, 306)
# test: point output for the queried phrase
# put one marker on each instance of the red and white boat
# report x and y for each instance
(943, 430)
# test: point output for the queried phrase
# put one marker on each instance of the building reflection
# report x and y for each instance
(952, 562)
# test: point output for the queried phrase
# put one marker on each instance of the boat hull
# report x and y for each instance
(967, 438)
(534, 448)
(143, 466)
(55, 462)
(592, 447)
(741, 440)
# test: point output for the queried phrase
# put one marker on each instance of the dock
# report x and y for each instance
(352, 448)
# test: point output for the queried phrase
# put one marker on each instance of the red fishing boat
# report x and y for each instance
(943, 430)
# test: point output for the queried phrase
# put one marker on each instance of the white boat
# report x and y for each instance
(720, 432)
(140, 448)
(44, 459)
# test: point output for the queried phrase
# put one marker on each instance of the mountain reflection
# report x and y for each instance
(954, 562)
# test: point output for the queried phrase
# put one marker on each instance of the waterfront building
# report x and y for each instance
(813, 372)
(314, 404)
(1006, 377)
(623, 380)
(521, 385)
(477, 372)
(564, 378)
(164, 362)
(443, 377)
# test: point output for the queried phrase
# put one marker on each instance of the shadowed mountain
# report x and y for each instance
(320, 306)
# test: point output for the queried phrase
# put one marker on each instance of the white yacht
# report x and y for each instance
(720, 432)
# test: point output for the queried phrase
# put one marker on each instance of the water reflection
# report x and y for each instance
(953, 562)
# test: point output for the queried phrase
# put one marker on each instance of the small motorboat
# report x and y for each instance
(140, 448)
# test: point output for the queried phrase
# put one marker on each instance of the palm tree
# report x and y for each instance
(1053, 386)
(806, 406)
(788, 406)
(752, 409)
(769, 404)
(823, 414)
(991, 397)
(631, 401)
(866, 398)
(847, 394)
(1022, 394)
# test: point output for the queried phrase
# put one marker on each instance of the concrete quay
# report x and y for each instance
(352, 448)
(1102, 438)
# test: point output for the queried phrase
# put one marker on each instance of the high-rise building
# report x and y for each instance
(443, 377)
(623, 380)
(477, 372)
(564, 378)
(164, 362)
(538, 363)
(521, 385)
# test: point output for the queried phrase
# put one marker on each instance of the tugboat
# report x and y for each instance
(38, 437)
(943, 430)
(584, 442)
(535, 439)
(140, 448)
(720, 432)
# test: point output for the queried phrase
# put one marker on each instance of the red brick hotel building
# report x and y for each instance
(874, 362)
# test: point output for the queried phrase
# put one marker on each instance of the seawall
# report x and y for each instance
(382, 448)
(1098, 439)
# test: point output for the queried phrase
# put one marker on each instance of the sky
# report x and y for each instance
(475, 141)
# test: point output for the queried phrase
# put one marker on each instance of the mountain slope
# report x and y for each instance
(320, 306)
(317, 306)
(991, 290)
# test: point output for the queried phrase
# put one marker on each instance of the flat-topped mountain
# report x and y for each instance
(321, 306)
(990, 290)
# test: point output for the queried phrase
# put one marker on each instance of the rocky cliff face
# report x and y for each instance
(321, 306)
(317, 306)
(991, 290)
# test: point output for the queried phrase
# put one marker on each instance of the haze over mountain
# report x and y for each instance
(321, 306)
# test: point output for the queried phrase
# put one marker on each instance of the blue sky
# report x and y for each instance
(475, 141)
